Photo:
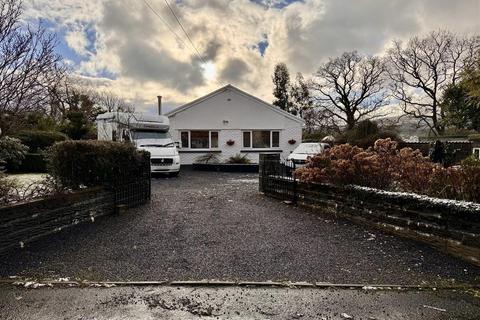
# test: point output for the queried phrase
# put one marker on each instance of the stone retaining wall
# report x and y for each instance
(26, 222)
(453, 226)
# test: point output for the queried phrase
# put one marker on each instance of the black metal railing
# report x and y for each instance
(277, 178)
(134, 188)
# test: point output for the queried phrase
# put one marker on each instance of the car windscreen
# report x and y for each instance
(308, 148)
(148, 134)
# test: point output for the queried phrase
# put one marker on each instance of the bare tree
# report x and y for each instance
(72, 95)
(110, 102)
(422, 69)
(318, 119)
(350, 88)
(29, 66)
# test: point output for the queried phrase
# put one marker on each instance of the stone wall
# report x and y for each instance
(26, 222)
(452, 226)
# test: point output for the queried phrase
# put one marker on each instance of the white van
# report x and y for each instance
(146, 132)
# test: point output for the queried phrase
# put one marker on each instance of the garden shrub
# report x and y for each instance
(239, 159)
(364, 135)
(77, 126)
(12, 151)
(316, 136)
(33, 162)
(467, 179)
(94, 163)
(208, 158)
(6, 187)
(37, 140)
(386, 167)
(412, 171)
(347, 164)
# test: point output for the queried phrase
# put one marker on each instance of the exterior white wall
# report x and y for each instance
(230, 112)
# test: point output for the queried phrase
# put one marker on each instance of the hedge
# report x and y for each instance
(94, 163)
(33, 162)
(37, 140)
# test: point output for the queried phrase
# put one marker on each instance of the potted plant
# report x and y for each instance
(230, 142)
(292, 141)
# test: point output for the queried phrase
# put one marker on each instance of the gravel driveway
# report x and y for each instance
(205, 225)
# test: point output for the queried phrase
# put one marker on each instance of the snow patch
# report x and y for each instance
(407, 195)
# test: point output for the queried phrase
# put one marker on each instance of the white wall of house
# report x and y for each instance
(231, 112)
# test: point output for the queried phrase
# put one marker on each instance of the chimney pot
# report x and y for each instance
(159, 105)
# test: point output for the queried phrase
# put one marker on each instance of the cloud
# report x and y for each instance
(125, 39)
(234, 71)
(212, 50)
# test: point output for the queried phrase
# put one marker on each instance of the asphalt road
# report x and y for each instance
(167, 302)
(218, 226)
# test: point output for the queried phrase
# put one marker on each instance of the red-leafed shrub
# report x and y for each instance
(412, 171)
(386, 167)
(346, 164)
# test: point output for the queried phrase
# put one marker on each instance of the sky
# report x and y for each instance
(123, 47)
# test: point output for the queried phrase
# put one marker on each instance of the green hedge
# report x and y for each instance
(37, 140)
(95, 163)
(33, 162)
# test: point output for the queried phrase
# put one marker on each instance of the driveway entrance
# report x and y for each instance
(205, 225)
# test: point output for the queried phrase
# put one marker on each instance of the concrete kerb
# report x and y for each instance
(35, 283)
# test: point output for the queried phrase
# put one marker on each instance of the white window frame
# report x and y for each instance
(209, 140)
(271, 139)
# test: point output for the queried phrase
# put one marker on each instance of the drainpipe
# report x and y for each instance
(159, 105)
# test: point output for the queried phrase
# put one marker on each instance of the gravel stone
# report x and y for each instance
(211, 225)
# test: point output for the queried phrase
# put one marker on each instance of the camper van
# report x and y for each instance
(146, 132)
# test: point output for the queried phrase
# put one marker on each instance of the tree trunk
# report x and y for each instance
(350, 121)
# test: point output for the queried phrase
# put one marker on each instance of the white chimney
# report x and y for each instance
(159, 105)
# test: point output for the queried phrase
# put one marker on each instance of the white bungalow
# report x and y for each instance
(230, 121)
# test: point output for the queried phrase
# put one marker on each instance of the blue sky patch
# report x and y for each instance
(262, 46)
(278, 4)
(91, 34)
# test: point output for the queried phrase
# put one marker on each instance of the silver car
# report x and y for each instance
(300, 155)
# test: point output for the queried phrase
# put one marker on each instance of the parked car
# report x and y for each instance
(300, 155)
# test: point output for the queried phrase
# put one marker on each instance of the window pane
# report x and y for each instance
(214, 139)
(275, 139)
(184, 139)
(246, 139)
(199, 139)
(261, 139)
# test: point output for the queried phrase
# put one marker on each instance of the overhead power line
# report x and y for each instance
(172, 30)
(184, 31)
(166, 23)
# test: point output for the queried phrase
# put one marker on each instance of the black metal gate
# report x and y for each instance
(277, 178)
(133, 189)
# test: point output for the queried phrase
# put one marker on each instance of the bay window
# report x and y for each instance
(261, 139)
(199, 139)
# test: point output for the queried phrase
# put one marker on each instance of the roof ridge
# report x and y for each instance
(240, 91)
